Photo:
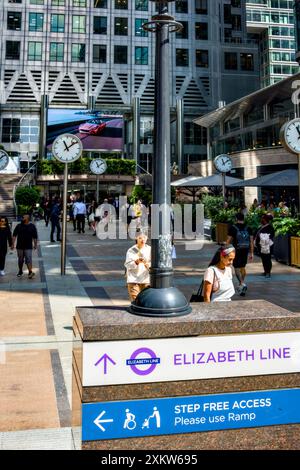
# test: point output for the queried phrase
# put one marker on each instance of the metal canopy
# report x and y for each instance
(213, 180)
(280, 179)
(279, 91)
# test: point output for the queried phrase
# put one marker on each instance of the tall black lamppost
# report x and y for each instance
(161, 299)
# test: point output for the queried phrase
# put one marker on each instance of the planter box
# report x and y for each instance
(295, 251)
(221, 232)
(282, 249)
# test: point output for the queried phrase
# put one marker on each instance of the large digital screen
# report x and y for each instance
(97, 130)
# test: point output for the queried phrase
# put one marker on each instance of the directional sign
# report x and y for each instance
(192, 358)
(181, 415)
(98, 421)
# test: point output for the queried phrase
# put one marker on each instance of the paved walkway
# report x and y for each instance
(36, 325)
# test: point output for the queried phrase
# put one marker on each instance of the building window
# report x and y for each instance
(184, 33)
(36, 2)
(231, 61)
(14, 20)
(79, 3)
(237, 3)
(20, 130)
(57, 23)
(56, 52)
(78, 24)
(120, 54)
(14, 1)
(182, 57)
(201, 7)
(141, 56)
(121, 4)
(236, 22)
(202, 59)
(100, 3)
(35, 51)
(247, 62)
(78, 53)
(36, 21)
(141, 5)
(139, 30)
(100, 25)
(181, 6)
(121, 26)
(99, 54)
(12, 50)
(201, 31)
(58, 3)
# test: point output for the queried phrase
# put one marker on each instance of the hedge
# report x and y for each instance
(115, 166)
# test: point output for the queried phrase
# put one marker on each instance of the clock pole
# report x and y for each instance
(64, 224)
(223, 188)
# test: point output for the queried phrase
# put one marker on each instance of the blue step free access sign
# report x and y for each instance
(179, 415)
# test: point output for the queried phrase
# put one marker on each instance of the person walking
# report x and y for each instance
(137, 265)
(5, 240)
(240, 236)
(264, 243)
(55, 222)
(79, 210)
(218, 285)
(26, 235)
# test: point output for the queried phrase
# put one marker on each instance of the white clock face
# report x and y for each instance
(223, 163)
(4, 160)
(98, 166)
(291, 135)
(67, 148)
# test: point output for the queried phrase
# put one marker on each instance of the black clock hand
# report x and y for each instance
(72, 144)
(298, 130)
(66, 147)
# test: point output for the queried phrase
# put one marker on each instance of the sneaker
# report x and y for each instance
(20, 274)
(243, 290)
(268, 276)
(2, 273)
(31, 275)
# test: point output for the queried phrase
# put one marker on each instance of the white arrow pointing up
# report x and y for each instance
(98, 421)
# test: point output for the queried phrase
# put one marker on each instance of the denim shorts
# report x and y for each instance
(25, 255)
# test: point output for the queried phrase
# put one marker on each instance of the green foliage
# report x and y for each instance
(139, 192)
(27, 196)
(287, 226)
(23, 209)
(212, 205)
(225, 216)
(252, 220)
(115, 166)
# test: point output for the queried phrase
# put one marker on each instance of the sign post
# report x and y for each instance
(66, 148)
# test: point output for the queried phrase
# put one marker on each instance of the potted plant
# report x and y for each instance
(223, 219)
(287, 250)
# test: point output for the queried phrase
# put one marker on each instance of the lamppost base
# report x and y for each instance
(165, 302)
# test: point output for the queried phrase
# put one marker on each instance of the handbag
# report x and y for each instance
(199, 296)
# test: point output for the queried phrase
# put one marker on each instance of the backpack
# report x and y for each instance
(242, 238)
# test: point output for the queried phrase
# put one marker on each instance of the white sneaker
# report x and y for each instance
(2, 273)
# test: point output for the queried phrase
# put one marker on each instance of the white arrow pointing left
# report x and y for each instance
(98, 421)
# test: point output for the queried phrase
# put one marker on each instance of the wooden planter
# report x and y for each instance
(282, 249)
(295, 251)
(221, 232)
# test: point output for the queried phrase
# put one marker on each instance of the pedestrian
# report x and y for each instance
(5, 240)
(47, 211)
(55, 220)
(240, 236)
(264, 243)
(80, 214)
(26, 235)
(137, 265)
(218, 285)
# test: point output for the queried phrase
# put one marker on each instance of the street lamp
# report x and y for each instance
(162, 299)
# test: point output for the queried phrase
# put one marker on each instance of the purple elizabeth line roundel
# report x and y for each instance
(152, 366)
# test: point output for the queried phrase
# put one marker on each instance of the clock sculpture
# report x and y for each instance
(98, 167)
(4, 160)
(290, 139)
(223, 163)
(66, 148)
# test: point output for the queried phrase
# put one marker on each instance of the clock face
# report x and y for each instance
(67, 148)
(290, 135)
(223, 163)
(98, 166)
(4, 160)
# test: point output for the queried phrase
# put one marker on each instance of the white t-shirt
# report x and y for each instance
(223, 279)
(138, 274)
